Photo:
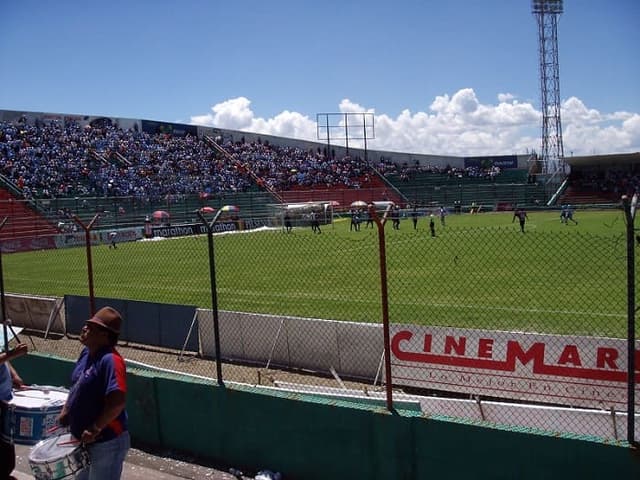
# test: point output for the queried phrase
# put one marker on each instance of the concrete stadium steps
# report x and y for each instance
(128, 211)
(576, 196)
(374, 190)
(487, 193)
(22, 219)
(436, 188)
(509, 176)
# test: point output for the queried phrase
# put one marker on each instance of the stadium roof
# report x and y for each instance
(615, 159)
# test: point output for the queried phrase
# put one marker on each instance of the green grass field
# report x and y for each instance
(479, 272)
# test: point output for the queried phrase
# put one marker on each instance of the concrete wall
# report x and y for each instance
(308, 438)
(44, 314)
(352, 349)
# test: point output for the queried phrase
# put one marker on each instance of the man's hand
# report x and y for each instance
(21, 349)
(90, 434)
(16, 380)
(63, 418)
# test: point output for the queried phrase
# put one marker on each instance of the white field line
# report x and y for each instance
(320, 296)
(529, 310)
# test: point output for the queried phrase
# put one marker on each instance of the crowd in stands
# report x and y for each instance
(407, 172)
(50, 160)
(283, 167)
(53, 159)
(610, 182)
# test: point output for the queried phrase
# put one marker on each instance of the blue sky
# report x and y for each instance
(455, 77)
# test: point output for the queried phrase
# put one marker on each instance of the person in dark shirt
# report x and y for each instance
(395, 217)
(432, 225)
(368, 218)
(355, 220)
(287, 222)
(521, 215)
(9, 379)
(315, 223)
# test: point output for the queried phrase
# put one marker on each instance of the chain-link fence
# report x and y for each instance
(483, 322)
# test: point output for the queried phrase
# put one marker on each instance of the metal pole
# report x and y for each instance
(385, 301)
(364, 127)
(346, 132)
(214, 293)
(631, 320)
(328, 139)
(87, 241)
(4, 310)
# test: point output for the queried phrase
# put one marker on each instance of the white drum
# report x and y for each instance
(58, 457)
(32, 414)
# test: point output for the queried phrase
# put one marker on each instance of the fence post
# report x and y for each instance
(631, 318)
(4, 311)
(214, 292)
(87, 241)
(385, 300)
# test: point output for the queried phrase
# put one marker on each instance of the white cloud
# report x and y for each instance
(234, 114)
(453, 125)
(347, 106)
(573, 110)
(505, 97)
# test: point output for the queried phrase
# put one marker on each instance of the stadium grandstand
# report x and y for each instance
(601, 179)
(57, 166)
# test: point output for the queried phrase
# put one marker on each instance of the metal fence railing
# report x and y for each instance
(476, 320)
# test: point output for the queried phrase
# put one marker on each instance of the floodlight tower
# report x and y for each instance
(547, 13)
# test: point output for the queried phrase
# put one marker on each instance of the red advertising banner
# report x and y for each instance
(27, 244)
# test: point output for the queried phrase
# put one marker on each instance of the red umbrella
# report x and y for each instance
(160, 214)
(207, 210)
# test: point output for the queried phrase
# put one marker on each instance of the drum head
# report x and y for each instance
(34, 399)
(53, 448)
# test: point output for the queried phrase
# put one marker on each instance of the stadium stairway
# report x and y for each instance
(440, 189)
(575, 196)
(374, 190)
(22, 220)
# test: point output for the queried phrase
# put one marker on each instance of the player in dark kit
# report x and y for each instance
(522, 217)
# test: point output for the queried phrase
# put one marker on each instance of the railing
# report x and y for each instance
(559, 191)
(244, 167)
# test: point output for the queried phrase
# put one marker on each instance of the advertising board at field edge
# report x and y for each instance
(568, 370)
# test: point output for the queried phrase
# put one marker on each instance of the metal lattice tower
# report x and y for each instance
(547, 13)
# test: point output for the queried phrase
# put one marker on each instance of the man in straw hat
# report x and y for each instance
(95, 409)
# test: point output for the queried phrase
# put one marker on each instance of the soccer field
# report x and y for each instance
(479, 271)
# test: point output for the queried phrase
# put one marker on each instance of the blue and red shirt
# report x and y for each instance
(5, 383)
(93, 378)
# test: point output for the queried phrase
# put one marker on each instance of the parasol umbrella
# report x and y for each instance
(160, 214)
(359, 203)
(230, 208)
(334, 203)
(207, 210)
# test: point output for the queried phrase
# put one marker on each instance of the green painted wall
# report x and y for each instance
(307, 438)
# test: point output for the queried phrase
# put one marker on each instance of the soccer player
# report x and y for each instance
(522, 217)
